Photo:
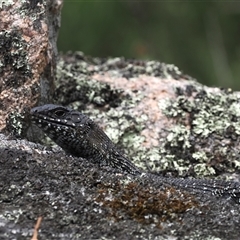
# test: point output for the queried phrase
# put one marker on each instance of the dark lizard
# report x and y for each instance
(80, 136)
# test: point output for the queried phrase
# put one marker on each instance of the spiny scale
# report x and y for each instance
(78, 135)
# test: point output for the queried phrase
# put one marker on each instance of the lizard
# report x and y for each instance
(80, 136)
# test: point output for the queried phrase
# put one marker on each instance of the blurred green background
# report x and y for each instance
(202, 38)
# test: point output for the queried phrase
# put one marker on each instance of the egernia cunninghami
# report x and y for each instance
(80, 136)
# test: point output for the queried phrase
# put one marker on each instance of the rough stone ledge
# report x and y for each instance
(164, 120)
(79, 200)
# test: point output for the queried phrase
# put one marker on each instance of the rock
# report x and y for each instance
(28, 34)
(166, 122)
(77, 199)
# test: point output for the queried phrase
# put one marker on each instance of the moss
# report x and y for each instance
(146, 205)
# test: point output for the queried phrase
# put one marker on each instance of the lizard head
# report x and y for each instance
(52, 116)
(63, 125)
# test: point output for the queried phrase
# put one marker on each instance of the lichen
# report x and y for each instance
(6, 3)
(204, 121)
(208, 135)
(15, 124)
(74, 84)
(13, 51)
(108, 106)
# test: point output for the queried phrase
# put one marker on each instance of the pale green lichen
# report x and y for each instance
(14, 54)
(179, 135)
(200, 143)
(6, 3)
(207, 135)
(122, 131)
(201, 169)
(200, 156)
(15, 124)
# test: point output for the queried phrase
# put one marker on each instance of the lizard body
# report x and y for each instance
(80, 136)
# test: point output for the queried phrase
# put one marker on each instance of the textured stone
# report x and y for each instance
(164, 120)
(28, 32)
(77, 199)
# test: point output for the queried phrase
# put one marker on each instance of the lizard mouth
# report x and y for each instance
(43, 118)
(49, 122)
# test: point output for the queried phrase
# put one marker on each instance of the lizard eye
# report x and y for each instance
(59, 113)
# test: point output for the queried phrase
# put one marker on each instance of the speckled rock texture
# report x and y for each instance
(77, 200)
(165, 121)
(28, 34)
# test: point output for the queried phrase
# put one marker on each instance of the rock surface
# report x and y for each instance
(77, 199)
(165, 121)
(28, 35)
